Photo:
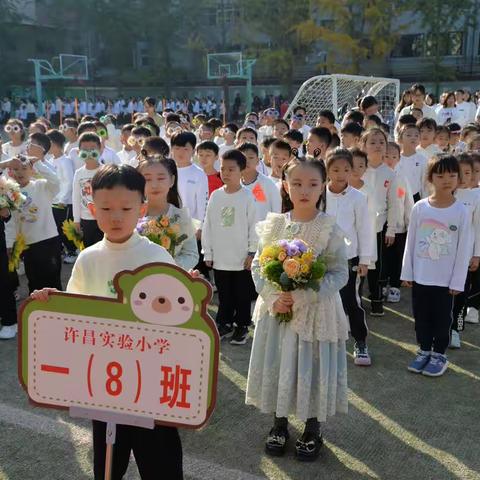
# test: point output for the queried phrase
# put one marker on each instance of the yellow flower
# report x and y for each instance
(282, 256)
(164, 222)
(165, 242)
(291, 267)
(269, 251)
(176, 228)
(304, 269)
(170, 231)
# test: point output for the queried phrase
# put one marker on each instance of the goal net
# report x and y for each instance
(339, 93)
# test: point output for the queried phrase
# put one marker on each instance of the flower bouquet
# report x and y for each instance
(19, 246)
(71, 233)
(164, 231)
(290, 265)
(10, 195)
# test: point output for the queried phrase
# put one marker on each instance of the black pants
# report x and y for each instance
(432, 308)
(158, 452)
(201, 267)
(393, 260)
(60, 214)
(234, 296)
(460, 306)
(91, 233)
(474, 295)
(352, 303)
(43, 264)
(376, 280)
(8, 306)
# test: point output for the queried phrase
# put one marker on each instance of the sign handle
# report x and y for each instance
(110, 440)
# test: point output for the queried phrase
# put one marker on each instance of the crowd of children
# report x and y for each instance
(394, 206)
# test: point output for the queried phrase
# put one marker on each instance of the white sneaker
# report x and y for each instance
(70, 259)
(454, 340)
(472, 315)
(393, 295)
(8, 332)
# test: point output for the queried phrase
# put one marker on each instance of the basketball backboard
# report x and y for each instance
(221, 65)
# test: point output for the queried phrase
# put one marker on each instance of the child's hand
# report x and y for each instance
(4, 213)
(453, 292)
(43, 295)
(407, 284)
(474, 263)
(194, 273)
(209, 263)
(77, 227)
(280, 307)
(247, 265)
(389, 241)
(198, 234)
(362, 270)
(286, 298)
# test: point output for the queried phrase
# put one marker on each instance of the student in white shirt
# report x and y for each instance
(250, 135)
(412, 165)
(16, 132)
(265, 193)
(127, 154)
(381, 180)
(464, 111)
(228, 132)
(428, 131)
(350, 209)
(62, 203)
(447, 112)
(83, 127)
(89, 151)
(470, 197)
(418, 101)
(435, 264)
(280, 154)
(229, 245)
(69, 129)
(42, 258)
(394, 253)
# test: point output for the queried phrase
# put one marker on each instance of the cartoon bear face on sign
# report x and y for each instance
(163, 300)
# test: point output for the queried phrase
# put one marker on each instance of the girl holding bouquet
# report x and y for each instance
(298, 366)
(166, 222)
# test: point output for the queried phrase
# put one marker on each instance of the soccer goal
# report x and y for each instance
(339, 93)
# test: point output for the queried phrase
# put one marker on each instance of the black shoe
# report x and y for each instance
(276, 443)
(239, 336)
(224, 331)
(377, 309)
(308, 446)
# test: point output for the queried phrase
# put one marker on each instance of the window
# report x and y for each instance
(142, 57)
(424, 45)
(409, 46)
(210, 16)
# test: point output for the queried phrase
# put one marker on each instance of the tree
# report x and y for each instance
(353, 31)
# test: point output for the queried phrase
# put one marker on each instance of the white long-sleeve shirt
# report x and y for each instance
(414, 168)
(96, 266)
(82, 194)
(438, 251)
(405, 203)
(266, 195)
(382, 181)
(470, 197)
(35, 219)
(64, 169)
(350, 208)
(193, 189)
(228, 233)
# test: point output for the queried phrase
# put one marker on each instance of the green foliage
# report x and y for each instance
(319, 268)
(273, 270)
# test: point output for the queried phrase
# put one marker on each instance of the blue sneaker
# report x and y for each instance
(420, 362)
(436, 366)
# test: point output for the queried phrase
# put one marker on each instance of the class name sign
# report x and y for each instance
(152, 352)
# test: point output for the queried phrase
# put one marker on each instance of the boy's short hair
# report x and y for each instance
(354, 116)
(322, 133)
(267, 142)
(248, 146)
(89, 137)
(376, 119)
(394, 145)
(407, 119)
(282, 145)
(408, 126)
(353, 128)
(357, 152)
(56, 137)
(208, 126)
(71, 123)
(182, 139)
(454, 128)
(295, 135)
(279, 121)
(442, 129)
(42, 140)
(173, 117)
(236, 156)
(466, 159)
(419, 87)
(299, 107)
(150, 101)
(441, 163)
(427, 123)
(385, 127)
(215, 123)
(86, 126)
(128, 127)
(335, 142)
(328, 114)
(247, 129)
(40, 125)
(111, 176)
(208, 145)
(143, 131)
(88, 118)
(232, 126)
(155, 145)
(368, 101)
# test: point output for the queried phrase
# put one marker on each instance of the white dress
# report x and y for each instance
(300, 367)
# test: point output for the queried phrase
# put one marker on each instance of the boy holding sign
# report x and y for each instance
(118, 203)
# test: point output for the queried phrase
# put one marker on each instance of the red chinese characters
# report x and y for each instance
(175, 386)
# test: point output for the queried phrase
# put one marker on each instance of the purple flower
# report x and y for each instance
(300, 245)
(283, 243)
(292, 250)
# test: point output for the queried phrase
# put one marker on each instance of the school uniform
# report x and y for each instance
(8, 306)
(266, 195)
